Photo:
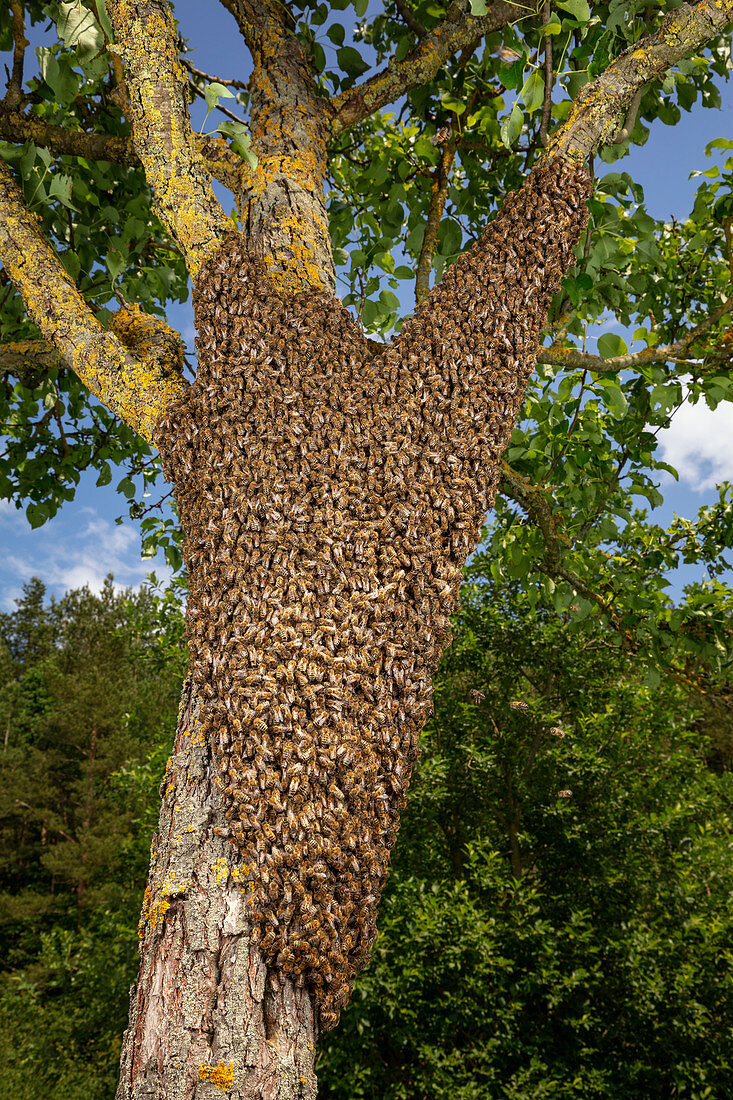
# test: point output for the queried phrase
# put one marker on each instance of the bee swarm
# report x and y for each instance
(330, 495)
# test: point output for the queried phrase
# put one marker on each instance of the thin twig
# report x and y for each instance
(409, 19)
(547, 106)
(213, 79)
(15, 93)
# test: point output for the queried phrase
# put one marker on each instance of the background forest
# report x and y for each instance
(559, 917)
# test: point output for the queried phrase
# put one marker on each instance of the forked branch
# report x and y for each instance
(135, 389)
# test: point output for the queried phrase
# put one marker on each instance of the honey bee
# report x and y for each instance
(372, 496)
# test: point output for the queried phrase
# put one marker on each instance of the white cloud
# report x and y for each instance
(71, 551)
(699, 444)
(10, 516)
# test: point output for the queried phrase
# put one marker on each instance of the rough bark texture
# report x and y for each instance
(168, 149)
(600, 106)
(132, 386)
(284, 211)
(205, 1020)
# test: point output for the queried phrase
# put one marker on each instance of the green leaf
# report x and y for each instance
(615, 400)
(513, 75)
(351, 61)
(115, 261)
(404, 46)
(37, 514)
(336, 34)
(105, 20)
(451, 103)
(579, 9)
(478, 7)
(241, 140)
(105, 475)
(214, 92)
(79, 29)
(652, 678)
(58, 74)
(611, 345)
(511, 127)
(533, 91)
(60, 188)
(71, 262)
(552, 26)
(127, 486)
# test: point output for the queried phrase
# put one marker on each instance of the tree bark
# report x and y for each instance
(204, 1016)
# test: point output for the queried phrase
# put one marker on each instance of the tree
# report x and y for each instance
(331, 488)
(585, 950)
(83, 707)
(558, 911)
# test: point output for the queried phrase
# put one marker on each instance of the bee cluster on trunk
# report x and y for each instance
(329, 495)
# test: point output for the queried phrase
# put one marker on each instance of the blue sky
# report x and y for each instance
(83, 543)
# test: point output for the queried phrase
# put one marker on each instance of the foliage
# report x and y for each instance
(558, 919)
(590, 440)
(88, 702)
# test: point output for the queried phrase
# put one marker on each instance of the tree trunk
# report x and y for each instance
(204, 1016)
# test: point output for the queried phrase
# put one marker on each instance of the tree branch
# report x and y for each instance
(285, 214)
(137, 390)
(20, 42)
(19, 128)
(534, 500)
(571, 357)
(601, 105)
(225, 166)
(459, 31)
(29, 360)
(174, 166)
(438, 196)
(411, 21)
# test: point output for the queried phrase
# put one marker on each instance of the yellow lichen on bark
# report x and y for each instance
(599, 108)
(285, 210)
(149, 337)
(302, 268)
(135, 390)
(153, 912)
(167, 147)
(221, 1075)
